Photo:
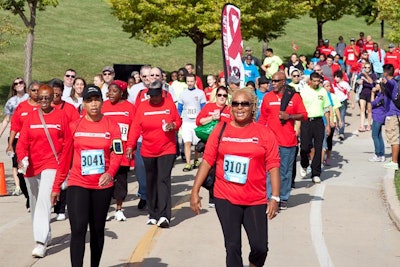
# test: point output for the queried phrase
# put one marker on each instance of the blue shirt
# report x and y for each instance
(250, 73)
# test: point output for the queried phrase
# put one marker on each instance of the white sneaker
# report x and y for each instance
(375, 158)
(61, 217)
(119, 216)
(316, 179)
(17, 191)
(163, 222)
(39, 251)
(383, 159)
(391, 165)
(151, 222)
(211, 205)
(303, 172)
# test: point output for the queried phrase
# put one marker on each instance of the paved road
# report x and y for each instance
(341, 222)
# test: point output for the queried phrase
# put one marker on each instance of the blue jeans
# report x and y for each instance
(140, 172)
(342, 111)
(285, 170)
(378, 139)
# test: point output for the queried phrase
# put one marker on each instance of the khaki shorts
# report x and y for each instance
(392, 130)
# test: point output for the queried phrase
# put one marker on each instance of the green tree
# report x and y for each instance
(27, 10)
(328, 10)
(158, 22)
(389, 11)
(6, 29)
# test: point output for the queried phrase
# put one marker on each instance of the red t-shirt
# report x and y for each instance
(90, 148)
(69, 109)
(208, 91)
(21, 113)
(34, 144)
(208, 110)
(199, 83)
(122, 113)
(285, 133)
(350, 55)
(326, 50)
(142, 97)
(148, 122)
(393, 58)
(256, 146)
(368, 46)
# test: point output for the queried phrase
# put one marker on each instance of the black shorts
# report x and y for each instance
(14, 158)
(121, 183)
(366, 97)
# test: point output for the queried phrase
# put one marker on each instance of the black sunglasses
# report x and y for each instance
(244, 104)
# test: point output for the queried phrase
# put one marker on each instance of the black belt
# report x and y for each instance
(314, 118)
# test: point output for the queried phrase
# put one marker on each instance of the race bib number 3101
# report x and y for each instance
(236, 168)
(92, 161)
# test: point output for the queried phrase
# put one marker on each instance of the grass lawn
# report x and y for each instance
(85, 36)
(397, 183)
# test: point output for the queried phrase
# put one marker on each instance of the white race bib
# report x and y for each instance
(351, 57)
(124, 131)
(236, 168)
(191, 112)
(93, 161)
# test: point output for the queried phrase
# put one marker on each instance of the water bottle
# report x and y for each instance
(10, 154)
(25, 162)
(164, 125)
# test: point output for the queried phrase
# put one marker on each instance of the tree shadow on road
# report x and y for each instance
(147, 262)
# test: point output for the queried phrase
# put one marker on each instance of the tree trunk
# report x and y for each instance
(28, 56)
(199, 58)
(319, 30)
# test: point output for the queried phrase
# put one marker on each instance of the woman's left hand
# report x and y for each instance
(272, 209)
(105, 179)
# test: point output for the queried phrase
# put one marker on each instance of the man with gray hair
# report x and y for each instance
(135, 89)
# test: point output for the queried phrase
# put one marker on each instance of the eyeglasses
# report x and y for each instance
(223, 95)
(157, 75)
(44, 98)
(296, 75)
(20, 82)
(276, 81)
(34, 90)
(244, 104)
(107, 73)
(70, 76)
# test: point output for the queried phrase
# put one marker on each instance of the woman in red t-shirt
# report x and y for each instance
(122, 112)
(95, 150)
(246, 151)
(39, 147)
(157, 120)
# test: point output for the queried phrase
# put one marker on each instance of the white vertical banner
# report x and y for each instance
(232, 43)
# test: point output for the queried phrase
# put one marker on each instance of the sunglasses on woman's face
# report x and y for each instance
(20, 82)
(244, 104)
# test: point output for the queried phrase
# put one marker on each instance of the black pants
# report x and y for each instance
(158, 185)
(294, 165)
(312, 135)
(87, 206)
(329, 139)
(254, 221)
(21, 178)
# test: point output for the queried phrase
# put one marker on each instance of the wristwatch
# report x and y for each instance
(277, 199)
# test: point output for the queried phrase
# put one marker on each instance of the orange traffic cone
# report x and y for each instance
(3, 184)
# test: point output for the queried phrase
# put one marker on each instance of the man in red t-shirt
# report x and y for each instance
(350, 57)
(393, 57)
(369, 45)
(326, 49)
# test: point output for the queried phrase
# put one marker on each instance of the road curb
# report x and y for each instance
(391, 199)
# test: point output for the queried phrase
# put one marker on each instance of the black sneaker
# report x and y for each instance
(283, 205)
(142, 204)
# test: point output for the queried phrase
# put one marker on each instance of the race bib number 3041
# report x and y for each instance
(92, 161)
(236, 168)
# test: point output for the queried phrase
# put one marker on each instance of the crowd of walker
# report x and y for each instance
(72, 144)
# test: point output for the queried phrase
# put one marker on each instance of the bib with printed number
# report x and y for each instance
(236, 168)
(191, 112)
(124, 131)
(92, 161)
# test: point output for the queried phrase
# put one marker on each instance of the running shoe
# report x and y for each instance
(163, 222)
(303, 172)
(196, 164)
(316, 179)
(61, 217)
(17, 191)
(151, 222)
(375, 158)
(327, 162)
(187, 168)
(119, 216)
(391, 165)
(211, 205)
(383, 158)
(283, 205)
(341, 137)
(39, 251)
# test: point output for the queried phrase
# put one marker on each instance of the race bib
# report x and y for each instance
(351, 57)
(124, 131)
(191, 112)
(92, 161)
(236, 169)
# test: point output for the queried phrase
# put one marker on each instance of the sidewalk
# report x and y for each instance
(340, 222)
